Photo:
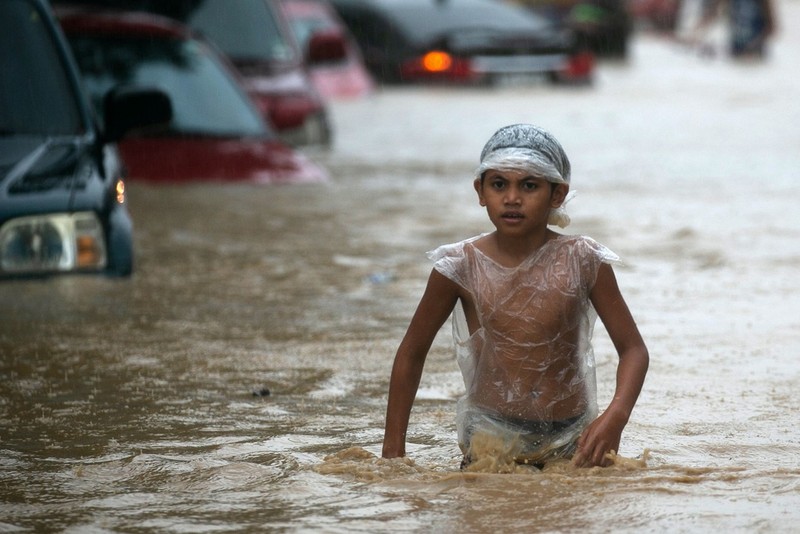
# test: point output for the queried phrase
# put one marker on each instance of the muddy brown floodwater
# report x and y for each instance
(140, 405)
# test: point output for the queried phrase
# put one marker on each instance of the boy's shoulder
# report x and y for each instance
(584, 245)
(453, 249)
(579, 245)
(576, 240)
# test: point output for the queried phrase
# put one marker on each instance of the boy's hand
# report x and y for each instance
(600, 437)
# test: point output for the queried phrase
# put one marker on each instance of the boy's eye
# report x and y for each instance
(529, 186)
(498, 184)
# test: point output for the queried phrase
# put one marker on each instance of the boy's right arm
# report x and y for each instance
(433, 310)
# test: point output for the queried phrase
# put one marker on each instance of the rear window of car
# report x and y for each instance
(427, 20)
(205, 99)
(243, 30)
(375, 33)
(37, 95)
(306, 19)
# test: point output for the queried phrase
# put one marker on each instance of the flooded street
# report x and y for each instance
(237, 382)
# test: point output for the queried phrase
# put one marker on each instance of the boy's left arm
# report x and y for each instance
(604, 433)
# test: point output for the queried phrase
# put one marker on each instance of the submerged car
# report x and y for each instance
(255, 36)
(338, 72)
(62, 197)
(216, 133)
(462, 41)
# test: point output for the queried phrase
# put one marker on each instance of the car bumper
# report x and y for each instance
(527, 64)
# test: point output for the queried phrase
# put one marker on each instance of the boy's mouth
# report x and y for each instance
(512, 216)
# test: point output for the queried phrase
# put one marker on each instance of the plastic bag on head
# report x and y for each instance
(529, 148)
(525, 146)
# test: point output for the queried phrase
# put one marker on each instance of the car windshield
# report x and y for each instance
(305, 26)
(205, 99)
(429, 20)
(245, 30)
(36, 95)
(306, 19)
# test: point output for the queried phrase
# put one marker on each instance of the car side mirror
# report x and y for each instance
(326, 46)
(127, 108)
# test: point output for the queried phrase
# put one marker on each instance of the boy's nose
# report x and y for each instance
(512, 196)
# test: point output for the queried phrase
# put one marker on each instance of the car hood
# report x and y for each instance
(216, 159)
(46, 174)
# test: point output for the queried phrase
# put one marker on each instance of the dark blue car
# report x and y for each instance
(466, 42)
(62, 197)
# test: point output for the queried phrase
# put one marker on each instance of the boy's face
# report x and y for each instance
(518, 202)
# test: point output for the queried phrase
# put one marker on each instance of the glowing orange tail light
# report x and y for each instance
(438, 65)
(437, 61)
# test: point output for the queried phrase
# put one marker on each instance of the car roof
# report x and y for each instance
(418, 3)
(426, 19)
(121, 23)
(423, 5)
(235, 11)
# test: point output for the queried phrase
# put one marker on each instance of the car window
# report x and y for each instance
(244, 30)
(305, 26)
(376, 35)
(430, 20)
(307, 18)
(204, 99)
(36, 94)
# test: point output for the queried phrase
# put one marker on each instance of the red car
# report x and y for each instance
(255, 36)
(257, 39)
(317, 27)
(216, 133)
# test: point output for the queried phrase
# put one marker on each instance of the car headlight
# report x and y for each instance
(55, 242)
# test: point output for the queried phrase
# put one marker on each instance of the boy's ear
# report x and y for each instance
(559, 195)
(478, 184)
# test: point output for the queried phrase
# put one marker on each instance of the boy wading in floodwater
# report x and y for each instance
(525, 299)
